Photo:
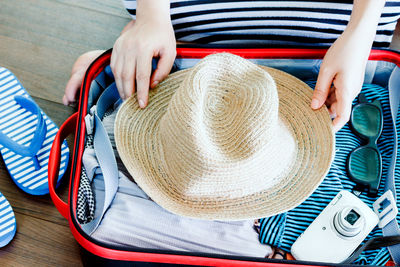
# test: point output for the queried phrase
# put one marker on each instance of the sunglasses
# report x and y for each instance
(364, 164)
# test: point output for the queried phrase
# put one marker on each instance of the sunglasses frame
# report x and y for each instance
(371, 143)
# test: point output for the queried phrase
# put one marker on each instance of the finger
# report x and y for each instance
(322, 87)
(343, 111)
(332, 110)
(128, 77)
(78, 72)
(116, 65)
(331, 98)
(143, 72)
(164, 67)
(113, 58)
(72, 87)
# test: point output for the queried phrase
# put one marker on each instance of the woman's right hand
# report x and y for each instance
(151, 35)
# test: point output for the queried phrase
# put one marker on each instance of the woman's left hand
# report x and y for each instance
(344, 67)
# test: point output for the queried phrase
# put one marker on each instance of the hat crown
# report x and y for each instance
(193, 158)
(226, 109)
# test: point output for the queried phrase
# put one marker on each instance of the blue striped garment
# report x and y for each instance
(286, 23)
(282, 230)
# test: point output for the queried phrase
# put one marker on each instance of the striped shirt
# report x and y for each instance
(270, 23)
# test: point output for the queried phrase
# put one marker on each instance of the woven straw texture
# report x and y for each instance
(227, 140)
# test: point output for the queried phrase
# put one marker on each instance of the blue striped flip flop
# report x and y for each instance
(8, 226)
(26, 136)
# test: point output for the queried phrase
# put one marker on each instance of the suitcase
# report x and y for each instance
(97, 253)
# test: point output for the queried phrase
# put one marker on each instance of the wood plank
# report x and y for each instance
(112, 7)
(38, 206)
(43, 236)
(40, 243)
(39, 42)
(41, 48)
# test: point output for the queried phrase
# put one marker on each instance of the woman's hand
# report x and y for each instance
(345, 61)
(344, 66)
(151, 35)
(77, 74)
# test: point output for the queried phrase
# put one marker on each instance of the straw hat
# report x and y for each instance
(215, 142)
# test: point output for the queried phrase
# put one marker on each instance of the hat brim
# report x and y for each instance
(137, 139)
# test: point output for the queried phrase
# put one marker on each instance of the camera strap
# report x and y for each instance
(391, 229)
(373, 243)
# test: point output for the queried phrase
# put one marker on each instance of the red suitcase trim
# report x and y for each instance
(77, 122)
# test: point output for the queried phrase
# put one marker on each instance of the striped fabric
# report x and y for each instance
(7, 222)
(271, 23)
(282, 230)
(20, 125)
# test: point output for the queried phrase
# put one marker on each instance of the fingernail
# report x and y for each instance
(154, 84)
(141, 103)
(314, 103)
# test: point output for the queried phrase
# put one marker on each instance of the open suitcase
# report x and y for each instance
(303, 63)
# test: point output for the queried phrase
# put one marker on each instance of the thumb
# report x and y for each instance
(322, 88)
(164, 67)
(72, 87)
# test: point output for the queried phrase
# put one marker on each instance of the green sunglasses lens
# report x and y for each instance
(364, 164)
(366, 120)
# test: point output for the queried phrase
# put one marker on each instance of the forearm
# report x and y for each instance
(345, 61)
(364, 19)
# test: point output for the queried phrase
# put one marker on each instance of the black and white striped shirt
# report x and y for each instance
(270, 23)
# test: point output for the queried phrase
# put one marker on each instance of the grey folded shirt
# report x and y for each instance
(134, 220)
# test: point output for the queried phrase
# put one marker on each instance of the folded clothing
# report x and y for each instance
(283, 230)
(134, 220)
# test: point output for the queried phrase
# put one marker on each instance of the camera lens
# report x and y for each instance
(348, 222)
(352, 217)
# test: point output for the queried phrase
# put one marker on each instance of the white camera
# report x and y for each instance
(337, 231)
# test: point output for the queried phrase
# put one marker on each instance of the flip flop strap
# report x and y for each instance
(38, 137)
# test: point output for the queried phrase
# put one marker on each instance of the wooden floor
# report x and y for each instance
(39, 41)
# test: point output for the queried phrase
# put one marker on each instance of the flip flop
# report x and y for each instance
(26, 136)
(8, 226)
